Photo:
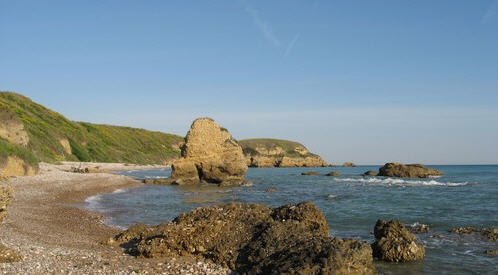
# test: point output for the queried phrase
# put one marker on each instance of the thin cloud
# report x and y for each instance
(290, 47)
(490, 12)
(263, 26)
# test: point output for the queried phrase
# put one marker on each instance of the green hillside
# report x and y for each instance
(54, 138)
(289, 147)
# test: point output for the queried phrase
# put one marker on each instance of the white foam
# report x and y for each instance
(119, 191)
(400, 182)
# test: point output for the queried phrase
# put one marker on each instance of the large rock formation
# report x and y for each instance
(395, 243)
(408, 171)
(210, 154)
(253, 239)
(279, 153)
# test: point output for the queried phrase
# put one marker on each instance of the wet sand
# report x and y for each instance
(54, 234)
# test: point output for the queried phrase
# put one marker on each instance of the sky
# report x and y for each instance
(363, 81)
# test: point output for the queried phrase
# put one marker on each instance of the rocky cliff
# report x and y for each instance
(210, 154)
(278, 153)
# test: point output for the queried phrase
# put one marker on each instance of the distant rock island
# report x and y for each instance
(266, 152)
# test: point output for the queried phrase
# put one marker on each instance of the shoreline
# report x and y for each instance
(54, 235)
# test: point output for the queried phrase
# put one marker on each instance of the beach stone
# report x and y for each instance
(370, 173)
(400, 170)
(333, 174)
(394, 243)
(210, 154)
(253, 239)
(310, 173)
(8, 255)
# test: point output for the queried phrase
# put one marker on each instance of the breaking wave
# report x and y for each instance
(401, 182)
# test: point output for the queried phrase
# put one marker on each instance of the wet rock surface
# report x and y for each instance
(394, 243)
(310, 173)
(370, 173)
(407, 171)
(490, 233)
(419, 228)
(163, 181)
(210, 154)
(253, 239)
(333, 174)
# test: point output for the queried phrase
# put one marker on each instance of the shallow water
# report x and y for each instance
(465, 196)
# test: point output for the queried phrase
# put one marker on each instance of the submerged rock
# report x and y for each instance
(210, 154)
(490, 233)
(349, 164)
(310, 173)
(408, 171)
(271, 190)
(370, 173)
(395, 243)
(163, 181)
(419, 228)
(253, 239)
(333, 174)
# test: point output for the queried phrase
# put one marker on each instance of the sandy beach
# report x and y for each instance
(54, 234)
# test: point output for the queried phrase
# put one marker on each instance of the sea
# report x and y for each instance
(352, 203)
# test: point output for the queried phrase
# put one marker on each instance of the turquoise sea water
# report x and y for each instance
(465, 196)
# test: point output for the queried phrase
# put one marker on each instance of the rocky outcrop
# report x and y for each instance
(5, 198)
(408, 171)
(279, 153)
(370, 173)
(253, 239)
(490, 233)
(348, 164)
(310, 173)
(394, 243)
(13, 166)
(333, 174)
(210, 154)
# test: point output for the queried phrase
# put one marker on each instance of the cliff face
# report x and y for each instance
(278, 153)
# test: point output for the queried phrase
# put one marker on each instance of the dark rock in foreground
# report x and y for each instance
(395, 243)
(253, 239)
(408, 171)
(310, 173)
(490, 233)
(333, 174)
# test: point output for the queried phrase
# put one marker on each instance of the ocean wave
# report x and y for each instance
(401, 182)
(93, 202)
(119, 191)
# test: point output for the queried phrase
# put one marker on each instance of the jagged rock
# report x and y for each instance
(370, 173)
(158, 181)
(210, 154)
(310, 173)
(333, 174)
(8, 255)
(394, 243)
(279, 153)
(491, 252)
(6, 195)
(253, 239)
(490, 233)
(407, 171)
(419, 228)
(348, 164)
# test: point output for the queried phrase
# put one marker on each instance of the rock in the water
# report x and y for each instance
(164, 181)
(491, 252)
(271, 190)
(370, 173)
(349, 164)
(210, 154)
(333, 174)
(419, 228)
(408, 171)
(253, 239)
(310, 173)
(490, 233)
(395, 243)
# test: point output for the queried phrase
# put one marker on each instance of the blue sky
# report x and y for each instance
(363, 81)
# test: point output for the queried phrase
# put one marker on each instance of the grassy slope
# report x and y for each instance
(249, 145)
(89, 142)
